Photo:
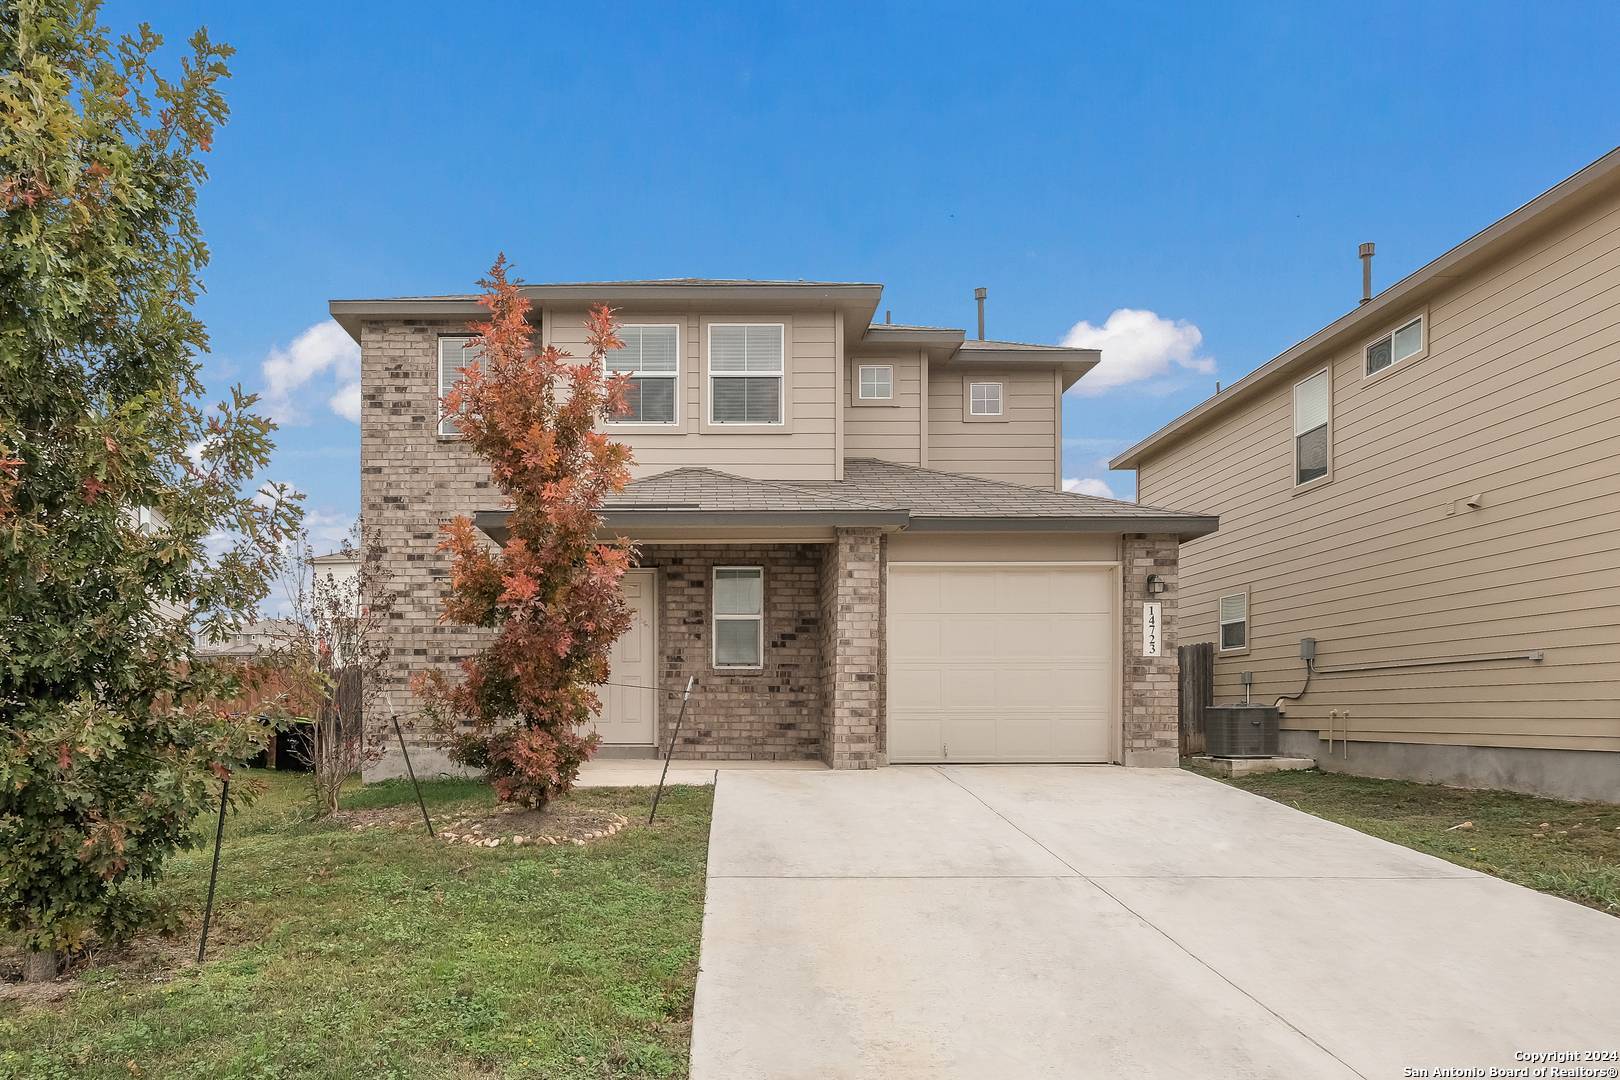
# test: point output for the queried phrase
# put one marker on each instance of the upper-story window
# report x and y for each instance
(652, 357)
(454, 352)
(1311, 428)
(745, 373)
(876, 382)
(984, 399)
(1394, 347)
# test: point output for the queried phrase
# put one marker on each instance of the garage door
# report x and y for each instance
(1001, 663)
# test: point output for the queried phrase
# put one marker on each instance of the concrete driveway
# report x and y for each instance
(1094, 922)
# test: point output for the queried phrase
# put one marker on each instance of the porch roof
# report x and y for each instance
(873, 493)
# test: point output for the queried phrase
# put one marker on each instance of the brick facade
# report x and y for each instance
(412, 480)
(774, 714)
(853, 588)
(1150, 735)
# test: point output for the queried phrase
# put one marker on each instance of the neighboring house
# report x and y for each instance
(1430, 488)
(852, 534)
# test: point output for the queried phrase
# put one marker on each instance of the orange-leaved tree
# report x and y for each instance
(553, 592)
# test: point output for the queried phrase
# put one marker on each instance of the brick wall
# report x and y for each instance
(1150, 736)
(412, 481)
(774, 714)
(853, 602)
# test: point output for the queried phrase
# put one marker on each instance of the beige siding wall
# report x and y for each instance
(802, 450)
(1517, 400)
(1019, 449)
(890, 432)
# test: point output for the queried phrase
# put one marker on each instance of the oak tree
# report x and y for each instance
(534, 414)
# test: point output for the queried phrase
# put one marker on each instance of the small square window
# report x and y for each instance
(984, 399)
(1393, 348)
(739, 622)
(1234, 620)
(877, 383)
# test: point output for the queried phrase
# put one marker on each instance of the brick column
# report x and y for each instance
(852, 649)
(1151, 683)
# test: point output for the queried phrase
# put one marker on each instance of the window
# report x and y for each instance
(745, 373)
(454, 352)
(877, 383)
(984, 399)
(1311, 428)
(739, 623)
(652, 357)
(1234, 620)
(1393, 348)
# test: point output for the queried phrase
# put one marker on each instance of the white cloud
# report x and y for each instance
(1088, 486)
(1136, 345)
(346, 402)
(324, 347)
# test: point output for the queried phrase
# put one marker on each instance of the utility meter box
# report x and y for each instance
(1241, 730)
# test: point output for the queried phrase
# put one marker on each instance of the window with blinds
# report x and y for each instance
(1234, 620)
(739, 616)
(745, 373)
(652, 358)
(1311, 428)
(454, 352)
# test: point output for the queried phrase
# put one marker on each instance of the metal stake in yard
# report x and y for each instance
(395, 718)
(213, 876)
(672, 740)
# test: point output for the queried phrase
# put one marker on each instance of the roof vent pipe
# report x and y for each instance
(1366, 272)
(888, 317)
(979, 294)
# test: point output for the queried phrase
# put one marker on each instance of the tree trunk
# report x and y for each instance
(39, 966)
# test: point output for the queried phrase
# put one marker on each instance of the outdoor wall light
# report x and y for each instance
(1156, 584)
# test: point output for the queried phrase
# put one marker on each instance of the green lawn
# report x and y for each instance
(1567, 849)
(378, 953)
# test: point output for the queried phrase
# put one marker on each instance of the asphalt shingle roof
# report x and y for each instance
(931, 493)
(709, 490)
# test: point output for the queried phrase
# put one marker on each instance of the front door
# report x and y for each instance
(630, 706)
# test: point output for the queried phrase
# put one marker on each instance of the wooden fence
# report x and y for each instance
(1197, 692)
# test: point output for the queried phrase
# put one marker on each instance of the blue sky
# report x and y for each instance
(1214, 167)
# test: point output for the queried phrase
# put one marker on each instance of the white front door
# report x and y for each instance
(630, 706)
(1001, 663)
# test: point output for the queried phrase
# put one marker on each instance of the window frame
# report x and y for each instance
(1222, 624)
(858, 384)
(715, 618)
(438, 402)
(1426, 327)
(678, 424)
(784, 425)
(971, 417)
(1326, 426)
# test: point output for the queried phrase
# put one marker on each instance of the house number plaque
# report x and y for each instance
(1151, 617)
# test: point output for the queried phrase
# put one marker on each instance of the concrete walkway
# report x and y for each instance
(1016, 922)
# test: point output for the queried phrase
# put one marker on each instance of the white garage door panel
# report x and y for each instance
(1001, 663)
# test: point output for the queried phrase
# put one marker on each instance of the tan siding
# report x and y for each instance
(1517, 399)
(1018, 450)
(805, 452)
(888, 432)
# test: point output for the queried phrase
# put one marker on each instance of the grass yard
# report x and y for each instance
(377, 953)
(1567, 849)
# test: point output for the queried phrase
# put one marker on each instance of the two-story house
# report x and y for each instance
(853, 534)
(1428, 487)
